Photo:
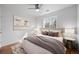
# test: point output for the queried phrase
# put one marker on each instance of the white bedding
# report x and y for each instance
(57, 38)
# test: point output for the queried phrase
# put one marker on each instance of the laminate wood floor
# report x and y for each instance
(7, 50)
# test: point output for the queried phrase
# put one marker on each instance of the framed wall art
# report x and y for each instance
(49, 22)
(20, 23)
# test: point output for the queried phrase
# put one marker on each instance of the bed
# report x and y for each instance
(43, 44)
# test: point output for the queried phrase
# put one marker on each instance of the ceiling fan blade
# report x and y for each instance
(31, 8)
(36, 6)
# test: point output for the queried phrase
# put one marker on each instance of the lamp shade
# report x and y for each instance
(69, 30)
(69, 33)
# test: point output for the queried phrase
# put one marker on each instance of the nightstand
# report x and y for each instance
(68, 42)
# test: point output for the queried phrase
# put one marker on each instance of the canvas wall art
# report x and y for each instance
(50, 22)
(20, 23)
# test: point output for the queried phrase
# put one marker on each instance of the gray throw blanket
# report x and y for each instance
(53, 46)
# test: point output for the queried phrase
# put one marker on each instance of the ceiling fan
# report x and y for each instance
(36, 7)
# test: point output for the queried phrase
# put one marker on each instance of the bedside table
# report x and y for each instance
(68, 42)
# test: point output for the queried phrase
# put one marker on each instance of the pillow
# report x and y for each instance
(58, 33)
(45, 32)
(54, 34)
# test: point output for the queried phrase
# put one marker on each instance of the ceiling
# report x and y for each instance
(44, 9)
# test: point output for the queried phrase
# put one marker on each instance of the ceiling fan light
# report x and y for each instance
(37, 10)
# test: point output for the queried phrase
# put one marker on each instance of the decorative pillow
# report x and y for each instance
(54, 34)
(57, 33)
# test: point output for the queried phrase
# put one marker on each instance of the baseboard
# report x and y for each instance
(8, 43)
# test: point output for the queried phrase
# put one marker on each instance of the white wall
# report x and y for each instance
(66, 18)
(0, 25)
(78, 25)
(9, 35)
